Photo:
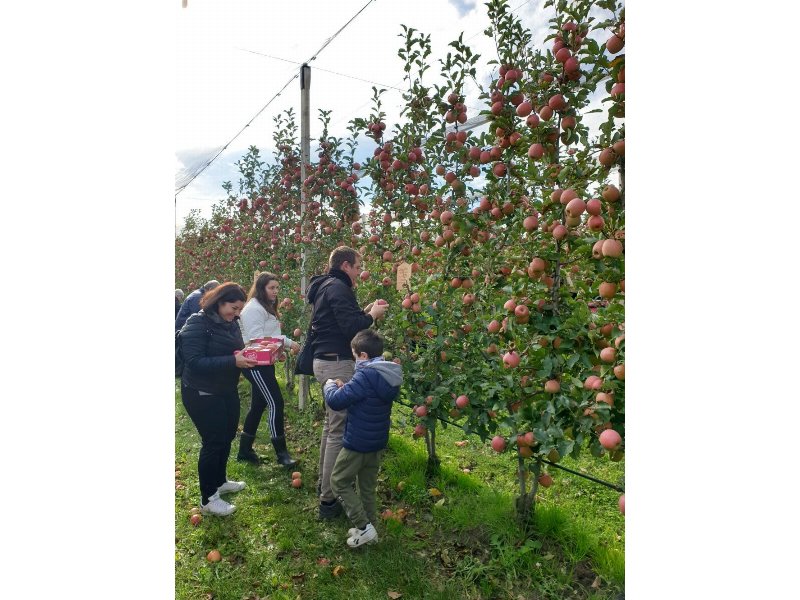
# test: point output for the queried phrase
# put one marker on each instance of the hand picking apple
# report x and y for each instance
(378, 309)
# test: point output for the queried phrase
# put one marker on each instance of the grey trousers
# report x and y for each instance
(333, 429)
(361, 507)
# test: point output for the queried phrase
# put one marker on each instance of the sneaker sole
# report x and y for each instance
(217, 514)
(367, 543)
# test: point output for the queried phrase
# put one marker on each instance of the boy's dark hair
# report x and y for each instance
(369, 341)
(227, 292)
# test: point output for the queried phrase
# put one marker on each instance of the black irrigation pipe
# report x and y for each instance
(590, 478)
(552, 464)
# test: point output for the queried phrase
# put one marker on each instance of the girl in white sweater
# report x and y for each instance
(259, 319)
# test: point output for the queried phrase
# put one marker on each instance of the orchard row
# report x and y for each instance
(511, 322)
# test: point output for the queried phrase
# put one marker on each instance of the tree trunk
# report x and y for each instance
(526, 503)
(289, 373)
(432, 468)
(522, 499)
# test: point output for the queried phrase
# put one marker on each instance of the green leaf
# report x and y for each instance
(565, 447)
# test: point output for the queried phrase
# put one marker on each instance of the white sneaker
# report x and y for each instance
(231, 486)
(362, 537)
(217, 506)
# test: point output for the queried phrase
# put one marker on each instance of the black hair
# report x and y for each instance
(227, 292)
(369, 341)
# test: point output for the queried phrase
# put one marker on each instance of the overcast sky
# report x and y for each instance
(222, 83)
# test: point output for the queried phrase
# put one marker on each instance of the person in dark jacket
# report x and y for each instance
(192, 303)
(368, 398)
(336, 319)
(178, 301)
(209, 392)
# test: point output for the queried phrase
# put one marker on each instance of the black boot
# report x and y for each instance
(246, 449)
(279, 443)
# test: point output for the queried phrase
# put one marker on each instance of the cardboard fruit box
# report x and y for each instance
(265, 351)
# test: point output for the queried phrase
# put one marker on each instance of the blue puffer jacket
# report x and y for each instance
(368, 398)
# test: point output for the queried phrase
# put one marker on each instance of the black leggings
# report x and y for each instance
(216, 418)
(266, 393)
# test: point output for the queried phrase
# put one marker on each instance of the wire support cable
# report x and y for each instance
(324, 45)
(208, 164)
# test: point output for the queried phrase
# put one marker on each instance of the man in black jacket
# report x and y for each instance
(336, 320)
(192, 303)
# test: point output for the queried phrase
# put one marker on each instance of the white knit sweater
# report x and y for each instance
(256, 322)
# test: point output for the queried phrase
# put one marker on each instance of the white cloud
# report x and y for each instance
(221, 85)
(463, 6)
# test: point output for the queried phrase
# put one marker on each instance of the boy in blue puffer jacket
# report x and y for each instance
(368, 398)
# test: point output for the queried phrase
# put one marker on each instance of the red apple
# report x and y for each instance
(608, 355)
(511, 359)
(611, 193)
(557, 102)
(607, 290)
(498, 443)
(612, 248)
(619, 371)
(614, 44)
(530, 223)
(594, 206)
(536, 151)
(552, 386)
(610, 439)
(524, 108)
(575, 207)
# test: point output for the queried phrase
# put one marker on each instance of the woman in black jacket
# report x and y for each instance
(209, 388)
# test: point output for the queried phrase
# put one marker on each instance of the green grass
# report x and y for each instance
(465, 543)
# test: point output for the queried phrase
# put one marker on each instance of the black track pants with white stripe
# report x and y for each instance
(265, 394)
